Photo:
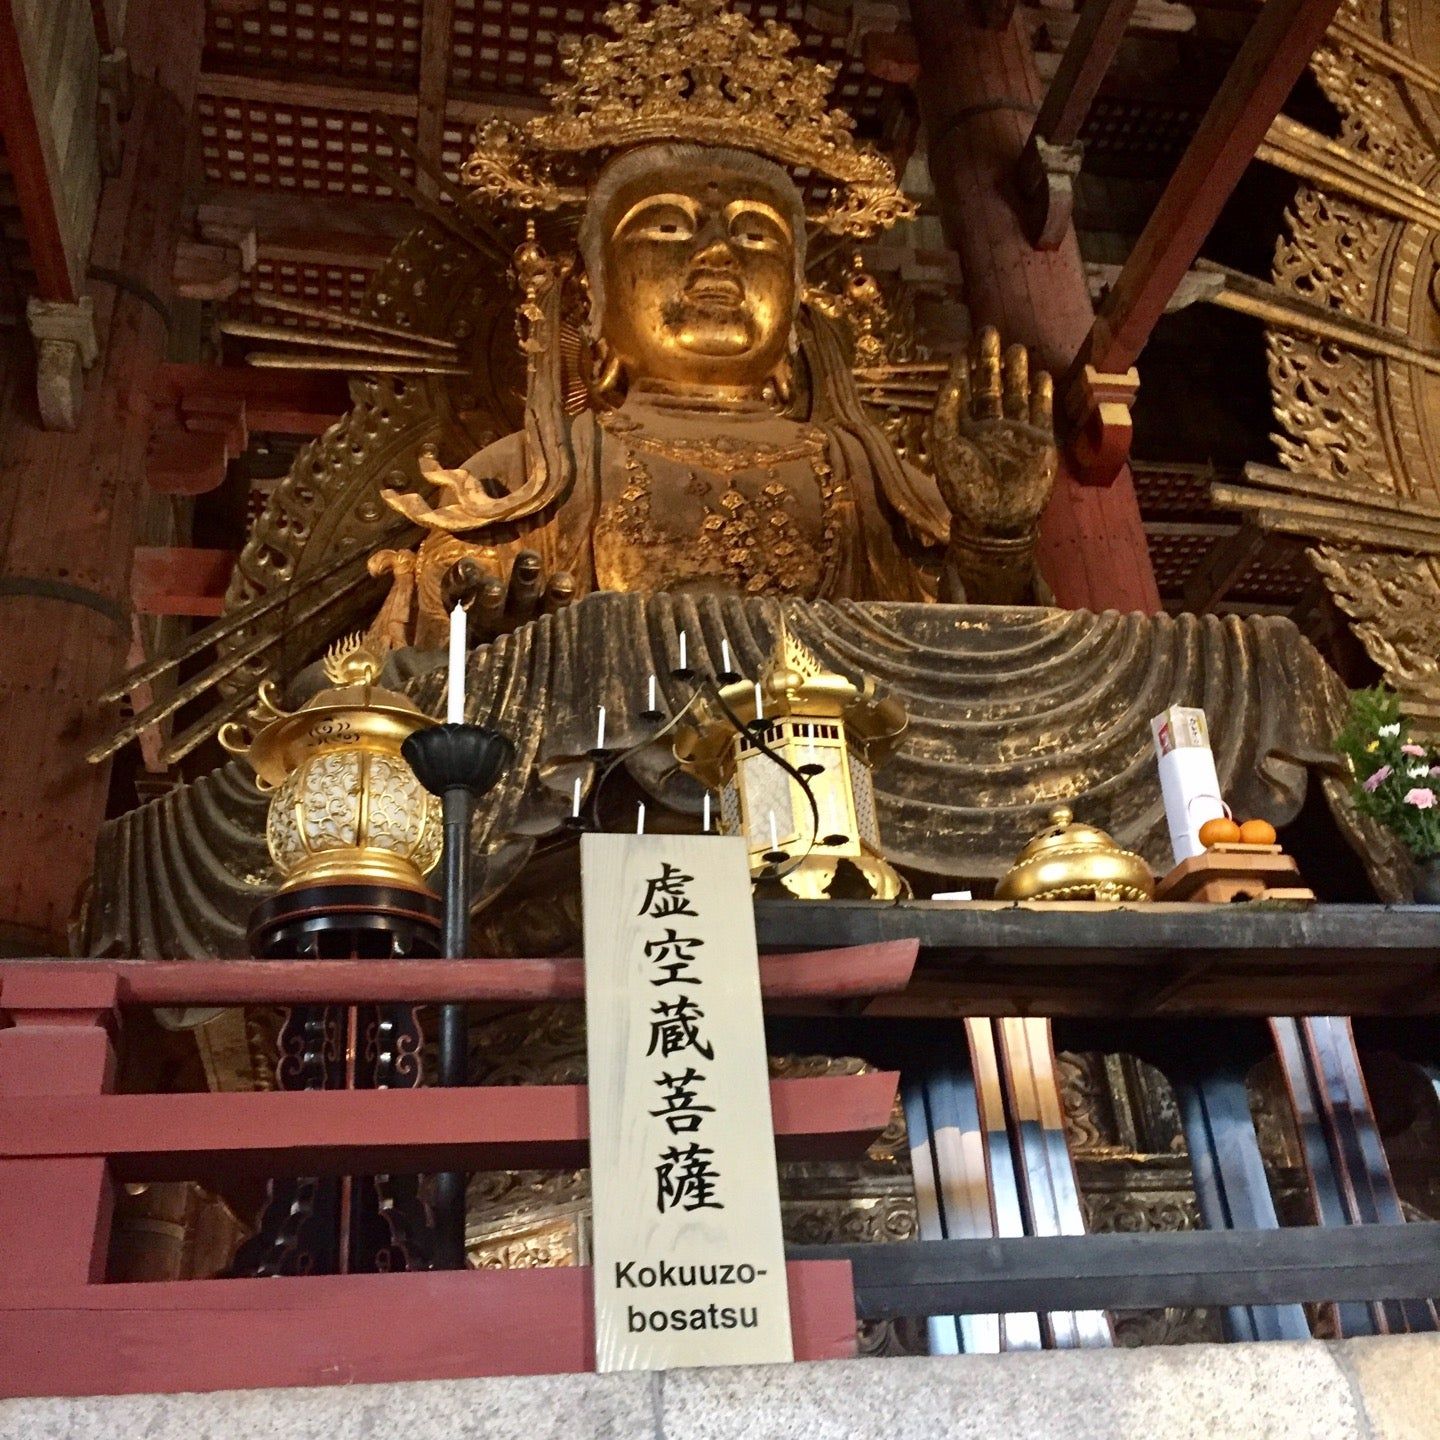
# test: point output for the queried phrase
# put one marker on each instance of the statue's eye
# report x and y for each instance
(757, 230)
(662, 222)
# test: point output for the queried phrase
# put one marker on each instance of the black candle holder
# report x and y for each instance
(459, 763)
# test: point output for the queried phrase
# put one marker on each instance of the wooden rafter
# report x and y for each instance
(1273, 56)
(436, 23)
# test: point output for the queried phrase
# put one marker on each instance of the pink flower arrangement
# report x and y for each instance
(1417, 750)
(1378, 779)
(1397, 775)
(1420, 798)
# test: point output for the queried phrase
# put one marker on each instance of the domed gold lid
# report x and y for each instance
(1070, 860)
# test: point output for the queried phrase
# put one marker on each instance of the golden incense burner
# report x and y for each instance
(1069, 860)
(345, 806)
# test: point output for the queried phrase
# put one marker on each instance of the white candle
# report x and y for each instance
(600, 730)
(707, 813)
(774, 834)
(725, 657)
(640, 818)
(650, 697)
(455, 697)
(759, 702)
(575, 809)
(682, 650)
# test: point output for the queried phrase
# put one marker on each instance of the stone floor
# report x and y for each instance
(1387, 1389)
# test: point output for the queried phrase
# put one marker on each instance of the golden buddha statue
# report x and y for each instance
(694, 442)
(699, 463)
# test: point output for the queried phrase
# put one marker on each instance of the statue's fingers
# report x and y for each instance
(1016, 383)
(488, 612)
(527, 584)
(1042, 401)
(952, 401)
(987, 402)
(559, 592)
(460, 582)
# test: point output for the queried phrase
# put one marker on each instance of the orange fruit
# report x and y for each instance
(1257, 832)
(1219, 831)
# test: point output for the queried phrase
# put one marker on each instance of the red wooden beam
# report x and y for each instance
(197, 1335)
(1272, 58)
(178, 580)
(855, 970)
(286, 402)
(366, 1132)
(1083, 66)
(32, 165)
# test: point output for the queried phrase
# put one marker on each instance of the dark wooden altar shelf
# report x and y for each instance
(994, 958)
(362, 1132)
(341, 1329)
(855, 970)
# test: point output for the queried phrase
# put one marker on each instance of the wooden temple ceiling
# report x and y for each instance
(285, 125)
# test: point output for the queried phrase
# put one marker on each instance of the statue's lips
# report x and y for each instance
(721, 291)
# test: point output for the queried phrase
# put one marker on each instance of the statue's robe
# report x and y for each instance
(1011, 711)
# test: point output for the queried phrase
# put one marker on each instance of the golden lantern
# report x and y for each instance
(771, 745)
(345, 806)
(1068, 860)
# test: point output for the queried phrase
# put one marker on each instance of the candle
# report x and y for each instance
(759, 702)
(725, 658)
(774, 834)
(650, 697)
(707, 813)
(600, 730)
(682, 650)
(455, 697)
(640, 818)
(575, 809)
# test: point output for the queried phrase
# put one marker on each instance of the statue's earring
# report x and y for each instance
(608, 369)
(782, 382)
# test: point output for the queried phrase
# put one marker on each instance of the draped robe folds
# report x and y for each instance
(1012, 710)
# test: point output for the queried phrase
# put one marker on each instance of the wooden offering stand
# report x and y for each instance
(1227, 872)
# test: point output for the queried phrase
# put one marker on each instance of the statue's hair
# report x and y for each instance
(644, 158)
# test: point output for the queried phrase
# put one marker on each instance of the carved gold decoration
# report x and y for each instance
(1355, 360)
(693, 70)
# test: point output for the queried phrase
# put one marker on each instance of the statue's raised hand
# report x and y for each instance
(992, 445)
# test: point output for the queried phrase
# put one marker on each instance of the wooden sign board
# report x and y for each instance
(689, 1260)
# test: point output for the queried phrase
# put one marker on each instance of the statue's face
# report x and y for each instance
(699, 277)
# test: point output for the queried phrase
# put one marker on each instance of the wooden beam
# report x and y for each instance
(1098, 32)
(176, 580)
(35, 168)
(847, 972)
(201, 1335)
(286, 403)
(1222, 568)
(372, 98)
(436, 23)
(1271, 60)
(368, 1132)
(1139, 1272)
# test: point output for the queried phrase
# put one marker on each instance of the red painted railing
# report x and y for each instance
(66, 1141)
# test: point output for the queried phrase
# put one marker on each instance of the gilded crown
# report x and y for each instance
(693, 70)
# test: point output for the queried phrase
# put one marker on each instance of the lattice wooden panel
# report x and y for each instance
(336, 287)
(1279, 575)
(1137, 134)
(301, 148)
(1165, 491)
(358, 39)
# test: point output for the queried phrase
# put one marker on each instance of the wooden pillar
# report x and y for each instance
(69, 506)
(55, 1213)
(979, 96)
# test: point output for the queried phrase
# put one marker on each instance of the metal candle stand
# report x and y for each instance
(459, 763)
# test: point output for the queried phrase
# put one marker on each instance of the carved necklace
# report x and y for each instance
(724, 454)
